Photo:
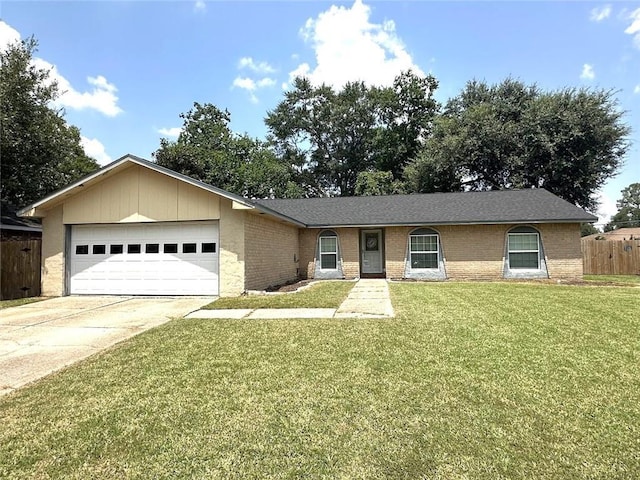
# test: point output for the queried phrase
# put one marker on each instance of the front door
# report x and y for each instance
(371, 252)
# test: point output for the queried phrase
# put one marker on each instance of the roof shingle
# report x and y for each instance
(503, 206)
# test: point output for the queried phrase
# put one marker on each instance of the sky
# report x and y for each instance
(127, 70)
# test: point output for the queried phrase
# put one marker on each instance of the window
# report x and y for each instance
(524, 250)
(133, 248)
(188, 248)
(152, 248)
(423, 249)
(170, 248)
(115, 249)
(208, 248)
(329, 252)
(82, 249)
(99, 249)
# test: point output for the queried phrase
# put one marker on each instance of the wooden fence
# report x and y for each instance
(617, 257)
(20, 268)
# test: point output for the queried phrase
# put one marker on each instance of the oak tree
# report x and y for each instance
(40, 152)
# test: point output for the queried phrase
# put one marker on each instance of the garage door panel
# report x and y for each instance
(134, 270)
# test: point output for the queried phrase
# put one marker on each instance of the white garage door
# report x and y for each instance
(145, 259)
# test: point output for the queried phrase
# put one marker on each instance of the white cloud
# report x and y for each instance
(95, 149)
(102, 96)
(265, 82)
(606, 210)
(8, 35)
(259, 67)
(251, 85)
(200, 6)
(634, 28)
(348, 47)
(587, 72)
(599, 14)
(172, 132)
(245, 83)
(637, 89)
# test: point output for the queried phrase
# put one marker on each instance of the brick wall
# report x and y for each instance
(53, 233)
(471, 252)
(348, 239)
(476, 252)
(396, 240)
(232, 250)
(350, 251)
(562, 248)
(271, 252)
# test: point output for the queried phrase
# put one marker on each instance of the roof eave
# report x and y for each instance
(410, 224)
(264, 210)
(20, 228)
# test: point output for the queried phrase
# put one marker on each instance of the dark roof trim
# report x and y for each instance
(19, 228)
(264, 210)
(420, 224)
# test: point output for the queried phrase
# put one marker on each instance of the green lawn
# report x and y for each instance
(613, 278)
(470, 381)
(326, 294)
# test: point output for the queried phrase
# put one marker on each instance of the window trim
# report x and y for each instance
(334, 253)
(189, 248)
(430, 252)
(537, 252)
(132, 247)
(116, 246)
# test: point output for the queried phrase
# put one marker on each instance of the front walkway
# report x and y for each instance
(369, 298)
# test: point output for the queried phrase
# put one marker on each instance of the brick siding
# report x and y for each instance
(563, 250)
(471, 252)
(271, 252)
(53, 237)
(348, 240)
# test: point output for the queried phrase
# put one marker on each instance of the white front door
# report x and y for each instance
(172, 258)
(371, 251)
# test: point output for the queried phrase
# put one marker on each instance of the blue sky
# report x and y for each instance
(129, 69)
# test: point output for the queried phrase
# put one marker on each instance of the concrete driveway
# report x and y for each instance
(39, 338)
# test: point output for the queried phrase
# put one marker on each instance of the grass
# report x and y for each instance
(613, 278)
(471, 380)
(19, 301)
(326, 294)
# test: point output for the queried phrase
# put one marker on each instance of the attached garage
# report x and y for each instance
(165, 258)
(136, 228)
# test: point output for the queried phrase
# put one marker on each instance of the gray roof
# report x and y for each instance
(503, 206)
(10, 221)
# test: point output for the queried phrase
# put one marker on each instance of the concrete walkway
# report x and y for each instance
(39, 338)
(369, 298)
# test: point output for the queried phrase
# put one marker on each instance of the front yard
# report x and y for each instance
(470, 380)
(324, 294)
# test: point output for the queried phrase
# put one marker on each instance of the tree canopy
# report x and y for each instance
(628, 209)
(332, 136)
(40, 152)
(367, 140)
(512, 135)
(209, 151)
